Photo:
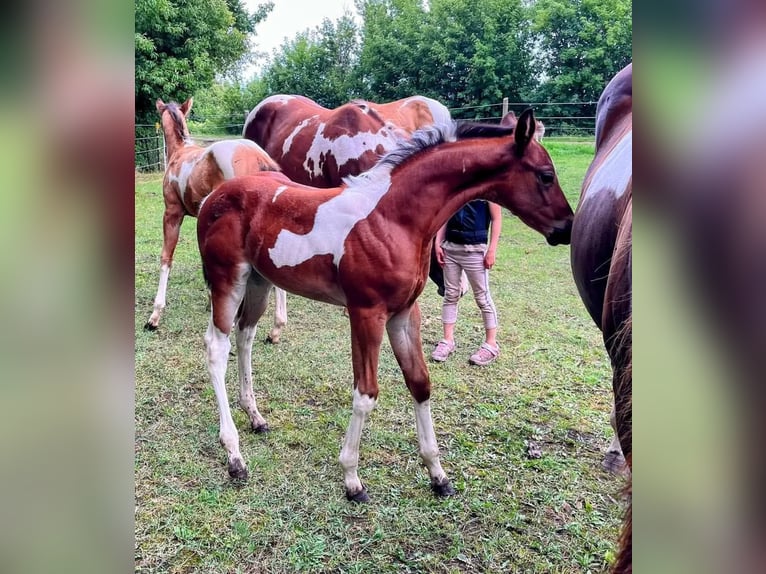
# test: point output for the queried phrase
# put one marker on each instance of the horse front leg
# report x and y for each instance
(171, 227)
(366, 337)
(404, 335)
(280, 315)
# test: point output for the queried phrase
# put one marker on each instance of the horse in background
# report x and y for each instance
(364, 245)
(192, 173)
(602, 239)
(319, 147)
(510, 120)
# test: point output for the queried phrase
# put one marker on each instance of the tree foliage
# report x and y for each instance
(318, 63)
(182, 45)
(469, 54)
(583, 43)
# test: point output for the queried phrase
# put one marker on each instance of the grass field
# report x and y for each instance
(512, 513)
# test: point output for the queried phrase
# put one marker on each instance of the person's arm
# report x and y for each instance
(496, 224)
(440, 235)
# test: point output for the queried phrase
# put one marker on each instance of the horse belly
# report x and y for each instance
(594, 232)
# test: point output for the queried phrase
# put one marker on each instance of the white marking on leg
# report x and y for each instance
(218, 346)
(429, 450)
(615, 172)
(349, 454)
(279, 190)
(159, 300)
(245, 369)
(333, 222)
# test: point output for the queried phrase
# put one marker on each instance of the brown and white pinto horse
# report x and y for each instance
(319, 147)
(364, 245)
(510, 120)
(192, 173)
(602, 238)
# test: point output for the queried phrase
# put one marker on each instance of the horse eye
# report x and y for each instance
(546, 177)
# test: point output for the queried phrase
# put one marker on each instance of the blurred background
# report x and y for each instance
(66, 229)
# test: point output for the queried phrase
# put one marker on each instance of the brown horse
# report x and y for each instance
(364, 245)
(319, 147)
(192, 173)
(602, 238)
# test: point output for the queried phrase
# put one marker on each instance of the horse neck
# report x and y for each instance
(445, 179)
(173, 140)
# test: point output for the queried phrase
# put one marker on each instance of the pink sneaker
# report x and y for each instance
(485, 355)
(443, 350)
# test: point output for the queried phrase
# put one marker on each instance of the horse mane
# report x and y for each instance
(179, 121)
(424, 139)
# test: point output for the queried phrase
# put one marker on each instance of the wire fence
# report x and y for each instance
(574, 120)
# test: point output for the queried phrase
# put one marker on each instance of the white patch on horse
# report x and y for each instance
(333, 222)
(279, 190)
(344, 148)
(615, 172)
(182, 177)
(223, 153)
(289, 140)
(277, 99)
(439, 112)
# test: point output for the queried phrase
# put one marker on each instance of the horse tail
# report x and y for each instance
(624, 413)
(624, 562)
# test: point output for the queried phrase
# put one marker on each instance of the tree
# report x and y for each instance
(182, 45)
(583, 43)
(318, 64)
(465, 53)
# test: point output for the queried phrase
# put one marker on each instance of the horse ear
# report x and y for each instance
(508, 119)
(160, 104)
(525, 130)
(187, 106)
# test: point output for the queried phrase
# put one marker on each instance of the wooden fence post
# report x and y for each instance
(505, 107)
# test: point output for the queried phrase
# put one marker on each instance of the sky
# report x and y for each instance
(289, 17)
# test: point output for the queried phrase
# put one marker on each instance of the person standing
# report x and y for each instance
(468, 243)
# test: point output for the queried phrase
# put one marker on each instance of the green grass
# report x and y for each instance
(551, 385)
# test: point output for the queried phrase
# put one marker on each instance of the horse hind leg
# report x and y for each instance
(224, 302)
(280, 315)
(404, 336)
(250, 311)
(614, 461)
(171, 227)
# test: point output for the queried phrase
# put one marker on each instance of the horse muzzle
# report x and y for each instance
(560, 235)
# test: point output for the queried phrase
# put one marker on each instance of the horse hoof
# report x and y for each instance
(261, 428)
(443, 489)
(360, 497)
(614, 462)
(237, 470)
(150, 326)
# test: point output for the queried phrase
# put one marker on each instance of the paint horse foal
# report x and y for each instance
(364, 245)
(602, 237)
(192, 173)
(319, 147)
